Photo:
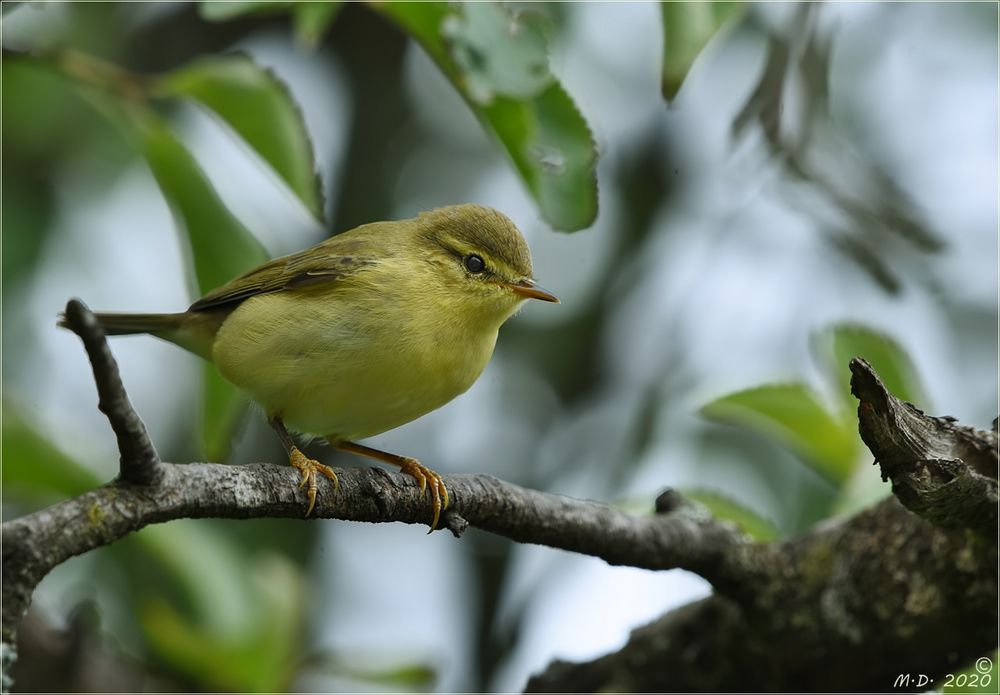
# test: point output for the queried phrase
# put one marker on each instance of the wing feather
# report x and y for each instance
(329, 261)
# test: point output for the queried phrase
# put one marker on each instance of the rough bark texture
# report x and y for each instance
(849, 606)
(852, 606)
(139, 461)
(945, 472)
(34, 544)
(846, 609)
(149, 491)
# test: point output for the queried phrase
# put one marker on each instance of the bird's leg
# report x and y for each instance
(411, 466)
(307, 467)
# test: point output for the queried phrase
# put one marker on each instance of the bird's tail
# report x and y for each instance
(191, 331)
(129, 324)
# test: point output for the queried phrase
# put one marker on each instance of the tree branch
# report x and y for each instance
(149, 491)
(139, 461)
(848, 608)
(940, 470)
(845, 607)
(34, 544)
(857, 605)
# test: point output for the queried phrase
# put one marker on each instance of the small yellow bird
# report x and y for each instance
(363, 332)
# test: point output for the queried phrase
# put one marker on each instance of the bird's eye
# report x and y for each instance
(474, 264)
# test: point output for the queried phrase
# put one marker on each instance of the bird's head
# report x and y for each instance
(481, 258)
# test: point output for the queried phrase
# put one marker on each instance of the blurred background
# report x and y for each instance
(820, 182)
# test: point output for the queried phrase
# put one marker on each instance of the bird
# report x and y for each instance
(361, 333)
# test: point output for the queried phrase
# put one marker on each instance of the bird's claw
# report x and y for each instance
(308, 468)
(428, 478)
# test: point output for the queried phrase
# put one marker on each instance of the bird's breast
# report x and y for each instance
(349, 369)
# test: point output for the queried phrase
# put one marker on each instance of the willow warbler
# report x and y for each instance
(363, 332)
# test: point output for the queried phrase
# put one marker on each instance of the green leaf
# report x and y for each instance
(223, 408)
(259, 107)
(530, 113)
(221, 248)
(727, 509)
(33, 464)
(259, 655)
(216, 11)
(793, 415)
(497, 55)
(838, 345)
(313, 19)
(407, 677)
(687, 28)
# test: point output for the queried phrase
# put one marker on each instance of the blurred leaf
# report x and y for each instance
(545, 136)
(220, 245)
(862, 489)
(838, 345)
(313, 19)
(413, 677)
(856, 248)
(764, 105)
(258, 106)
(687, 28)
(416, 676)
(25, 216)
(208, 568)
(216, 11)
(36, 101)
(260, 656)
(498, 55)
(221, 249)
(33, 464)
(792, 414)
(727, 509)
(223, 407)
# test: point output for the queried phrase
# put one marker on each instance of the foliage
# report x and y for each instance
(687, 28)
(85, 99)
(824, 437)
(721, 506)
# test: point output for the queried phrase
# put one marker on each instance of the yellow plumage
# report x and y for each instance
(364, 332)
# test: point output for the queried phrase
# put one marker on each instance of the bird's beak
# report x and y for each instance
(529, 290)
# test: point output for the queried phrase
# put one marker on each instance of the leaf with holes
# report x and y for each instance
(495, 61)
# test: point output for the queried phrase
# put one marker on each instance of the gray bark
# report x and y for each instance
(850, 606)
(845, 607)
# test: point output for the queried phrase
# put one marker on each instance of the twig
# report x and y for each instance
(139, 461)
(149, 491)
(945, 472)
(34, 544)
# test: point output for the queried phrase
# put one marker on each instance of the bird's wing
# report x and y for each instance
(332, 260)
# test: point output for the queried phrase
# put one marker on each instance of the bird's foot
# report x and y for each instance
(427, 479)
(308, 468)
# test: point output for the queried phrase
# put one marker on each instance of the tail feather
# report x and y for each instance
(194, 332)
(130, 324)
